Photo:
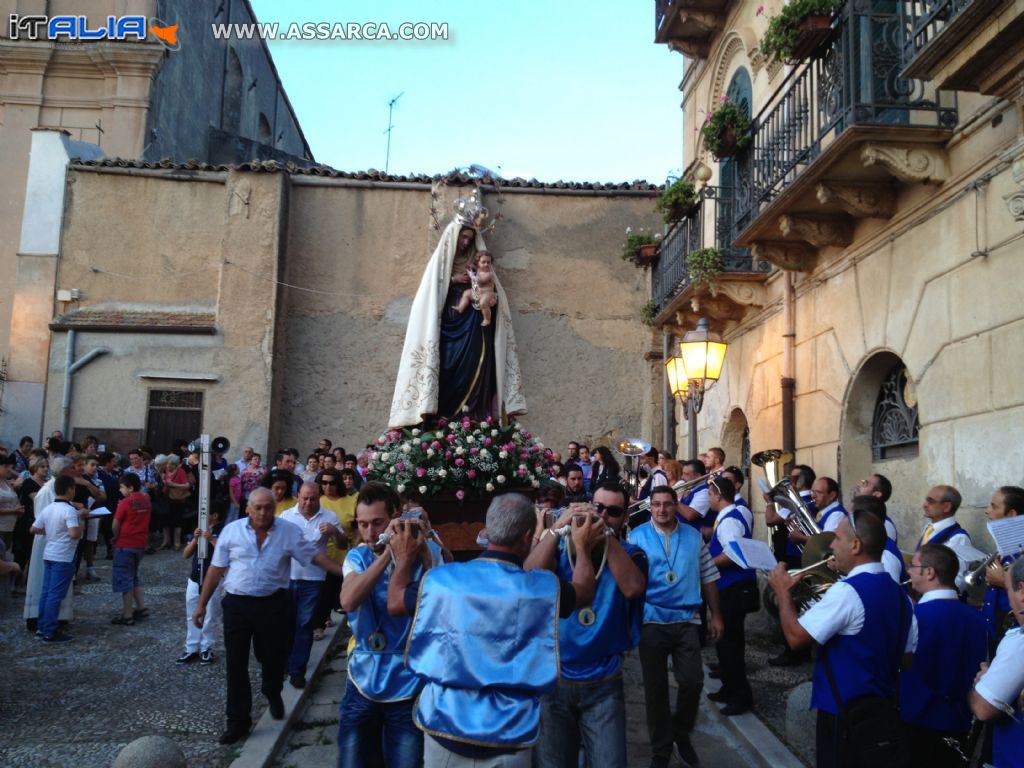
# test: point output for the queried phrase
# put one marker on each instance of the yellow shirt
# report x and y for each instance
(282, 505)
(344, 508)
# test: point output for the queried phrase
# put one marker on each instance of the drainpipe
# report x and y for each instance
(668, 411)
(71, 366)
(788, 365)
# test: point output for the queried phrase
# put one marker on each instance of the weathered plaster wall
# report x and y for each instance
(575, 306)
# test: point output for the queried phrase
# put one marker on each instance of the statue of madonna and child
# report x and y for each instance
(459, 357)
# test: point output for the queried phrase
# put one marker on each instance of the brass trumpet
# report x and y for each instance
(681, 488)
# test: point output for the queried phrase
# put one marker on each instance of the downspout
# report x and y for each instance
(788, 369)
(668, 411)
(72, 366)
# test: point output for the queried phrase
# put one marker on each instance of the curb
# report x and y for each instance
(767, 748)
(269, 736)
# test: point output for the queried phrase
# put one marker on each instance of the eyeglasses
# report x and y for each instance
(930, 500)
(612, 511)
(920, 567)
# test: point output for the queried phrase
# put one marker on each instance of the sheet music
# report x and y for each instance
(99, 512)
(1008, 534)
(751, 553)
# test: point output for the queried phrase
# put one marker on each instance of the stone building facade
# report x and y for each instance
(210, 101)
(874, 245)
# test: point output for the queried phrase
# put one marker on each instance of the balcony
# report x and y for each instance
(689, 26)
(965, 45)
(738, 287)
(837, 138)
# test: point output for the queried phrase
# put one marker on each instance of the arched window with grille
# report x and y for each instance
(734, 172)
(895, 427)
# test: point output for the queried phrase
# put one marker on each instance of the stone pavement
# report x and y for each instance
(77, 704)
(314, 738)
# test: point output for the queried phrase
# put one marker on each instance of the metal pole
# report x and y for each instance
(204, 500)
(668, 405)
(71, 366)
(691, 414)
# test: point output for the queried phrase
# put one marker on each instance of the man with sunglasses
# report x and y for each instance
(864, 627)
(589, 705)
(940, 506)
(951, 646)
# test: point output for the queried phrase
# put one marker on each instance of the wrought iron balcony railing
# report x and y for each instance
(852, 79)
(710, 226)
(925, 20)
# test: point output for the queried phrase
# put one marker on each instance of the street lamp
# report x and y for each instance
(699, 364)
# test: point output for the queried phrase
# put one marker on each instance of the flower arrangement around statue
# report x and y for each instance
(726, 131)
(640, 246)
(798, 30)
(677, 201)
(468, 458)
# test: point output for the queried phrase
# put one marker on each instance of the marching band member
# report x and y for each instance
(999, 686)
(1008, 501)
(825, 492)
(680, 572)
(950, 646)
(589, 705)
(376, 709)
(695, 507)
(737, 588)
(892, 558)
(483, 677)
(865, 628)
(879, 486)
(735, 474)
(940, 506)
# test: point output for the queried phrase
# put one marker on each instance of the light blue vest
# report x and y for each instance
(484, 641)
(670, 602)
(594, 652)
(380, 675)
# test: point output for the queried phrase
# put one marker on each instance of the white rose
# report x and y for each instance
(400, 488)
(494, 433)
(484, 453)
(500, 478)
(423, 489)
(536, 484)
(503, 454)
(406, 448)
(489, 487)
(459, 451)
(442, 473)
(430, 451)
(470, 439)
(391, 470)
(415, 433)
(384, 456)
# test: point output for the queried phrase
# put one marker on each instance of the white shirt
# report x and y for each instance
(841, 612)
(731, 529)
(256, 571)
(658, 477)
(311, 533)
(242, 465)
(893, 565)
(701, 502)
(1001, 685)
(833, 521)
(937, 528)
(890, 530)
(56, 519)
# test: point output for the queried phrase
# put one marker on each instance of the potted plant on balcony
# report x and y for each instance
(726, 131)
(648, 312)
(640, 247)
(798, 30)
(704, 265)
(677, 201)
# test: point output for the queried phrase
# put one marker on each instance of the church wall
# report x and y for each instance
(575, 306)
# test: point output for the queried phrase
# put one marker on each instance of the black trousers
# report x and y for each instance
(330, 600)
(657, 643)
(929, 747)
(732, 648)
(260, 622)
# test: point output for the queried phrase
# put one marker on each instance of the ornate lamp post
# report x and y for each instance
(698, 365)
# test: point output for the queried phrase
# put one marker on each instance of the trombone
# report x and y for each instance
(682, 488)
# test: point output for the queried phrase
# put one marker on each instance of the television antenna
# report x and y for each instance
(391, 108)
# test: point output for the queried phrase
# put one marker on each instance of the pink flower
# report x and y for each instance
(724, 99)
(400, 466)
(466, 423)
(441, 422)
(471, 474)
(760, 10)
(474, 451)
(436, 445)
(450, 438)
(424, 446)
(459, 462)
(380, 440)
(420, 472)
(527, 435)
(460, 494)
(522, 470)
(488, 441)
(447, 454)
(490, 420)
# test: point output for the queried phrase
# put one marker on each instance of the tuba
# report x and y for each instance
(815, 553)
(631, 449)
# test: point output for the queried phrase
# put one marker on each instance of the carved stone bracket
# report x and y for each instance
(817, 229)
(793, 255)
(743, 294)
(1015, 202)
(911, 164)
(860, 199)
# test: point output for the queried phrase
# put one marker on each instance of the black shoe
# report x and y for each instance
(788, 659)
(714, 674)
(58, 637)
(232, 734)
(720, 696)
(207, 658)
(297, 681)
(276, 706)
(687, 752)
(735, 708)
(187, 657)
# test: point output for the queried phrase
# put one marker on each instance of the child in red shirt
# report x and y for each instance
(131, 536)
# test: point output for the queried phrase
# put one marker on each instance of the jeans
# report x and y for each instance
(303, 596)
(373, 734)
(57, 578)
(657, 643)
(436, 755)
(592, 712)
(262, 623)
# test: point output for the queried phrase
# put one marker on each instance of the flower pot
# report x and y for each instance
(647, 254)
(680, 211)
(727, 143)
(814, 30)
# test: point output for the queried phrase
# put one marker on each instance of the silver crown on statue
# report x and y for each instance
(469, 212)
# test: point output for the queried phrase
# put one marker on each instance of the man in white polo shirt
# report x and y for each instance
(318, 525)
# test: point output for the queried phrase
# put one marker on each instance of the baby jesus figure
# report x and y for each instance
(481, 293)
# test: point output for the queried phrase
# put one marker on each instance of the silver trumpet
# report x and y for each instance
(682, 488)
(977, 576)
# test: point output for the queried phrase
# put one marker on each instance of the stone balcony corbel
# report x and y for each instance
(820, 230)
(909, 163)
(859, 199)
(795, 255)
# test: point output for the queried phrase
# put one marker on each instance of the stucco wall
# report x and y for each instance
(575, 305)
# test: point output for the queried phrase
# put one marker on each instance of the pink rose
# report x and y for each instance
(471, 474)
(450, 438)
(490, 419)
(459, 462)
(460, 494)
(436, 445)
(522, 470)
(527, 435)
(420, 472)
(400, 466)
(474, 450)
(488, 441)
(442, 421)
(447, 454)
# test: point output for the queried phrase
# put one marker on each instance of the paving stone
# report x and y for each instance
(325, 756)
(320, 713)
